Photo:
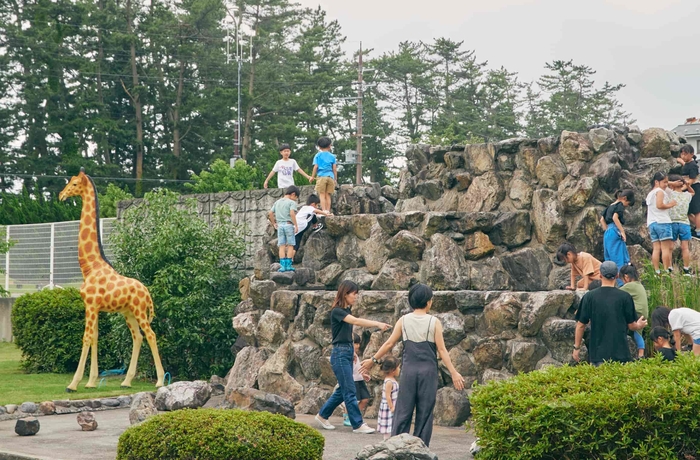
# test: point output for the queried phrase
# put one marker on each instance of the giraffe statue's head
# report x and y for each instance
(76, 186)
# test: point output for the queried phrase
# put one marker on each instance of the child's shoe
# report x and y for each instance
(687, 271)
(346, 420)
(289, 266)
(283, 266)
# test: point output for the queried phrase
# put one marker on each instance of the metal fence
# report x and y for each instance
(46, 255)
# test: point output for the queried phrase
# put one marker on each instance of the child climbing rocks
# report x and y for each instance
(326, 169)
(283, 218)
(390, 391)
(612, 221)
(582, 264)
(659, 222)
(682, 193)
(285, 168)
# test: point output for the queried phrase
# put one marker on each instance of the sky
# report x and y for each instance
(651, 46)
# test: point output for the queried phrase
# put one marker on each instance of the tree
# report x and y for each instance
(224, 178)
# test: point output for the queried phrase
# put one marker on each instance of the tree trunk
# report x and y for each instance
(135, 99)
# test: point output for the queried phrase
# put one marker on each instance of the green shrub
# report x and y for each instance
(214, 434)
(224, 178)
(188, 266)
(673, 291)
(641, 410)
(48, 327)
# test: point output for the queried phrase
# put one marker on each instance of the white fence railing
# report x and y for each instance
(46, 255)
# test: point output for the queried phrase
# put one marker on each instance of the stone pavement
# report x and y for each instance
(60, 438)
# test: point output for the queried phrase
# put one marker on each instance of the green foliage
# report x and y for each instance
(108, 201)
(48, 327)
(640, 410)
(189, 268)
(217, 434)
(224, 178)
(26, 208)
(672, 291)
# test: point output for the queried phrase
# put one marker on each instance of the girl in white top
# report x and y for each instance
(682, 321)
(659, 222)
(285, 169)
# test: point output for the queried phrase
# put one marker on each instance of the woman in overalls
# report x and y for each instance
(422, 342)
(342, 359)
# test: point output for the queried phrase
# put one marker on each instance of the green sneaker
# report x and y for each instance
(346, 420)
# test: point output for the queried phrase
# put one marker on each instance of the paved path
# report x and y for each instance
(60, 438)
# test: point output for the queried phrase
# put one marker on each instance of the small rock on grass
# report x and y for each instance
(28, 426)
(87, 421)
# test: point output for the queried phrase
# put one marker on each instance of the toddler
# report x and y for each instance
(390, 391)
(359, 377)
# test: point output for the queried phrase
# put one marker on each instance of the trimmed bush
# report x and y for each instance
(641, 410)
(48, 327)
(215, 434)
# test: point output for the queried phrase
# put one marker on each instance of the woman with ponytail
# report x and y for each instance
(612, 221)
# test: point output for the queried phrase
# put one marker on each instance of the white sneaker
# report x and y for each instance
(364, 429)
(325, 424)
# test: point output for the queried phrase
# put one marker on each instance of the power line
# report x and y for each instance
(116, 179)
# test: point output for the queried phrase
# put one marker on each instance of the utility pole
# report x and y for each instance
(239, 60)
(358, 173)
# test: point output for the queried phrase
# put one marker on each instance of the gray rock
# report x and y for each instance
(359, 276)
(329, 276)
(453, 327)
(374, 249)
(523, 356)
(337, 225)
(489, 275)
(435, 222)
(491, 375)
(392, 222)
(502, 313)
(110, 402)
(484, 194)
(430, 189)
(47, 408)
(454, 160)
(261, 264)
(390, 193)
(93, 403)
(314, 398)
(601, 139)
(575, 147)
(285, 303)
(283, 278)
(261, 291)
(472, 221)
(480, 158)
(463, 363)
(319, 251)
(512, 229)
(361, 225)
(246, 325)
(180, 395)
(396, 275)
(406, 245)
(245, 306)
(28, 407)
(550, 171)
(3, 411)
(244, 372)
(539, 307)
(274, 376)
(463, 180)
(304, 276)
(444, 266)
(488, 354)
(607, 170)
(655, 143)
(28, 426)
(586, 231)
(550, 225)
(520, 191)
(452, 407)
(11, 408)
(402, 447)
(575, 193)
(348, 252)
(259, 401)
(558, 337)
(416, 203)
(87, 421)
(528, 269)
(272, 329)
(307, 355)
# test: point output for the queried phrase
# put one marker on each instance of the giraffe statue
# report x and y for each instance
(106, 290)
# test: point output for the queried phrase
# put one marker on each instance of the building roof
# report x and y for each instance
(688, 130)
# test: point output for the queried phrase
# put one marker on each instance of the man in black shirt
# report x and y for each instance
(610, 312)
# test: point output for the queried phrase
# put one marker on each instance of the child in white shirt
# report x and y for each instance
(285, 169)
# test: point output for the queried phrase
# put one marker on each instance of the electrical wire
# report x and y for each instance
(116, 179)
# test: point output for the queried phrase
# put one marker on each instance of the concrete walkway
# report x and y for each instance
(60, 438)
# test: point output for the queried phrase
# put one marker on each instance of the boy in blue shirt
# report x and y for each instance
(283, 217)
(325, 168)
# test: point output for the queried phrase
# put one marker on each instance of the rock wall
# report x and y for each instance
(249, 208)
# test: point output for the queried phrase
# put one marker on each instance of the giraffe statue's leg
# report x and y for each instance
(92, 381)
(90, 317)
(137, 339)
(151, 338)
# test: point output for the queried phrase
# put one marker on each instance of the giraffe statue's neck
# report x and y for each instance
(89, 242)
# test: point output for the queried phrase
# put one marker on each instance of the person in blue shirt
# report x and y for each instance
(325, 167)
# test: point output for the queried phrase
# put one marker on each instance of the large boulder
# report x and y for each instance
(550, 171)
(493, 375)
(401, 447)
(28, 426)
(314, 398)
(374, 249)
(540, 306)
(406, 245)
(348, 252)
(319, 251)
(586, 232)
(259, 401)
(417, 203)
(360, 276)
(396, 275)
(523, 356)
(548, 218)
(574, 193)
(558, 336)
(307, 356)
(520, 191)
(575, 147)
(274, 376)
(484, 194)
(463, 363)
(244, 372)
(502, 314)
(361, 225)
(444, 266)
(285, 303)
(392, 222)
(246, 325)
(489, 354)
(261, 292)
(512, 229)
(479, 158)
(180, 395)
(528, 269)
(655, 143)
(477, 245)
(452, 407)
(272, 329)
(330, 275)
(143, 405)
(489, 275)
(602, 139)
(453, 327)
(607, 170)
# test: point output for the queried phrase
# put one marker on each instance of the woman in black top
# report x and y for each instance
(342, 358)
(612, 221)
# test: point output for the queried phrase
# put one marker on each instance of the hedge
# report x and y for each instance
(641, 410)
(48, 327)
(216, 434)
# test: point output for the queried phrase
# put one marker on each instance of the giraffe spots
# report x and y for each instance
(88, 220)
(121, 283)
(90, 300)
(113, 278)
(136, 302)
(83, 294)
(93, 316)
(108, 298)
(85, 233)
(110, 286)
(89, 246)
(141, 294)
(101, 290)
(91, 290)
(117, 293)
(92, 257)
(102, 280)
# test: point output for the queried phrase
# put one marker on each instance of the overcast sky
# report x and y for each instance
(652, 46)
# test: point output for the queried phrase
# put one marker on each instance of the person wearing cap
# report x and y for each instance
(285, 169)
(610, 312)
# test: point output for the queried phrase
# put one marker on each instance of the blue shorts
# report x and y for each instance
(285, 235)
(681, 231)
(696, 341)
(660, 232)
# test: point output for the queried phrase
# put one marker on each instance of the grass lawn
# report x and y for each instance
(17, 387)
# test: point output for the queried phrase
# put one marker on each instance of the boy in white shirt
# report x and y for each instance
(285, 169)
(307, 215)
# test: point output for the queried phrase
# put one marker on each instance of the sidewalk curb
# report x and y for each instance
(14, 456)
